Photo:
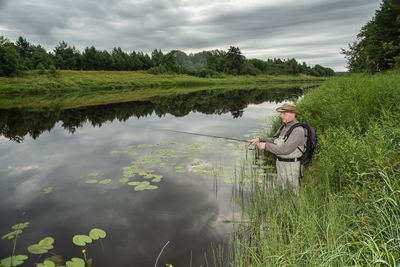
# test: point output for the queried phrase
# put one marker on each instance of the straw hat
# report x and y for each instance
(287, 107)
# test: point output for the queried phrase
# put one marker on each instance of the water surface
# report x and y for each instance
(190, 178)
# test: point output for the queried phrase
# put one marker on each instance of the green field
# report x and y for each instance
(69, 89)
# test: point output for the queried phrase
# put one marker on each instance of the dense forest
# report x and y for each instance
(377, 47)
(23, 55)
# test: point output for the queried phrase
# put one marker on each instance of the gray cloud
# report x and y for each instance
(310, 30)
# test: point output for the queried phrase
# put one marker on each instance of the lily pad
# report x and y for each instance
(20, 226)
(46, 263)
(222, 175)
(47, 190)
(124, 180)
(46, 242)
(57, 259)
(11, 235)
(97, 233)
(145, 186)
(16, 260)
(105, 181)
(134, 183)
(81, 240)
(37, 249)
(93, 174)
(145, 145)
(151, 187)
(91, 181)
(75, 262)
(148, 176)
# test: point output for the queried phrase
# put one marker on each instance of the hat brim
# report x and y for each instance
(280, 109)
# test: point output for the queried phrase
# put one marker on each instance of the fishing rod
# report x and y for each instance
(207, 135)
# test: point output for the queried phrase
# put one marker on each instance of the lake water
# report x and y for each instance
(119, 168)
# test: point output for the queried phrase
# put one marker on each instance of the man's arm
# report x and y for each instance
(295, 139)
(266, 140)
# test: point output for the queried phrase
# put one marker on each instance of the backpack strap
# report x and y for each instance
(299, 124)
(279, 131)
(291, 130)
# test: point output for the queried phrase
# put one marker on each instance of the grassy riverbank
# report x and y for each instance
(71, 89)
(348, 211)
(67, 81)
(67, 100)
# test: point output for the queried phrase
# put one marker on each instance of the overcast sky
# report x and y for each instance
(313, 31)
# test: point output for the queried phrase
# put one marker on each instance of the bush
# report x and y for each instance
(53, 71)
(208, 73)
(158, 70)
(9, 60)
(41, 69)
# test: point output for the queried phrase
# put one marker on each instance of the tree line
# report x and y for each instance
(377, 47)
(23, 55)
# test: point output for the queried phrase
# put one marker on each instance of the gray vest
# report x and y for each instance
(295, 154)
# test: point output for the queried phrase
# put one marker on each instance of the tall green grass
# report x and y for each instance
(86, 81)
(348, 212)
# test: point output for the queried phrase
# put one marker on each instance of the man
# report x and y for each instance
(288, 151)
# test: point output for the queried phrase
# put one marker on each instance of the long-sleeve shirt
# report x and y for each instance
(295, 139)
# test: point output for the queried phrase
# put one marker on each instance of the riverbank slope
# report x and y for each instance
(67, 81)
(348, 210)
(71, 89)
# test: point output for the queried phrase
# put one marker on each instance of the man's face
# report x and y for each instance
(287, 117)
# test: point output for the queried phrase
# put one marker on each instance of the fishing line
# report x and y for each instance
(199, 134)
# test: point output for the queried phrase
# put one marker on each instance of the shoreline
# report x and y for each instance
(83, 81)
(133, 86)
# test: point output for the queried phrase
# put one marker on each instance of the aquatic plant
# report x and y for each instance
(91, 181)
(140, 186)
(46, 263)
(43, 246)
(159, 255)
(93, 174)
(97, 181)
(48, 190)
(124, 180)
(81, 240)
(105, 181)
(13, 261)
(75, 262)
(13, 235)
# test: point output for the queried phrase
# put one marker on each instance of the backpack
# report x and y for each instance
(311, 141)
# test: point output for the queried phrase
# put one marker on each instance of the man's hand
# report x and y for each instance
(256, 142)
(260, 145)
(253, 141)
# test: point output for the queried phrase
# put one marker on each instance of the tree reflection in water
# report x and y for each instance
(15, 124)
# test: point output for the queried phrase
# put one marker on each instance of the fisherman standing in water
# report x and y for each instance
(289, 151)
